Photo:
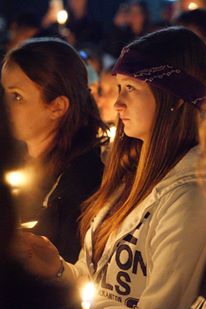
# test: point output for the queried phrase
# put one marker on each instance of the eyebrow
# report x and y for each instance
(133, 81)
(126, 79)
(14, 87)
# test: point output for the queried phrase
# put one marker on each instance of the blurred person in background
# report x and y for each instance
(119, 33)
(139, 18)
(105, 95)
(104, 89)
(28, 24)
(195, 20)
(83, 28)
(167, 14)
(93, 56)
(24, 26)
(91, 65)
(52, 110)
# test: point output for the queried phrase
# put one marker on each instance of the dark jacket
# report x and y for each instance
(58, 220)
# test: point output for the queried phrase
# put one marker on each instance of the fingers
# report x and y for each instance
(33, 240)
(25, 244)
(37, 254)
(42, 244)
(21, 248)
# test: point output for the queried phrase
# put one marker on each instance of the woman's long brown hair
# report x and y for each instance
(56, 67)
(138, 167)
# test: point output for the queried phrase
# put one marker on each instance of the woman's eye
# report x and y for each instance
(17, 96)
(129, 88)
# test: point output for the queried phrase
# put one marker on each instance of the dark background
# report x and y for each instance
(103, 10)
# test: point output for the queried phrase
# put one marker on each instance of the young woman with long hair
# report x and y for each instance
(52, 110)
(18, 287)
(143, 231)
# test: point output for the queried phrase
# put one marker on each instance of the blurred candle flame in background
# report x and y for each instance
(56, 13)
(192, 6)
(112, 133)
(62, 17)
(16, 180)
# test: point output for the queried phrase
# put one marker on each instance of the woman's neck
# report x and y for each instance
(38, 147)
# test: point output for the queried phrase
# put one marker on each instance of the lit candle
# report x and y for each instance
(192, 6)
(29, 224)
(88, 294)
(111, 133)
(16, 180)
(62, 17)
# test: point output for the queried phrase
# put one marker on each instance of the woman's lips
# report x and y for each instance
(124, 119)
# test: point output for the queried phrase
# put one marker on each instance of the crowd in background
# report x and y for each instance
(98, 47)
(98, 44)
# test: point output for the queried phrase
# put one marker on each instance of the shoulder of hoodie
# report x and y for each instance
(183, 175)
(179, 193)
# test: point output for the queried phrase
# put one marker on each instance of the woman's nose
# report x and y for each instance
(119, 106)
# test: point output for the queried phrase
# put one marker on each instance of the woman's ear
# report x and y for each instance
(58, 107)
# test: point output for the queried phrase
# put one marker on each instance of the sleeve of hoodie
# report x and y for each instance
(73, 272)
(176, 250)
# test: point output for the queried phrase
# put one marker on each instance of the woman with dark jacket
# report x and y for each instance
(51, 109)
(19, 289)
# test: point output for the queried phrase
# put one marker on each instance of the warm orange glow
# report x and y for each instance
(19, 180)
(192, 6)
(16, 179)
(88, 293)
(29, 225)
(111, 133)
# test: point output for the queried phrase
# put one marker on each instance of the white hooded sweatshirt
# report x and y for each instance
(156, 259)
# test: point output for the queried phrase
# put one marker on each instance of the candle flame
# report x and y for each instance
(62, 17)
(19, 180)
(111, 133)
(29, 224)
(16, 179)
(192, 6)
(88, 294)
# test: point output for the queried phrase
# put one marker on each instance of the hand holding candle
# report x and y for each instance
(38, 255)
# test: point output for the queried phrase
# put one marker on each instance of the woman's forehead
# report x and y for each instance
(126, 78)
